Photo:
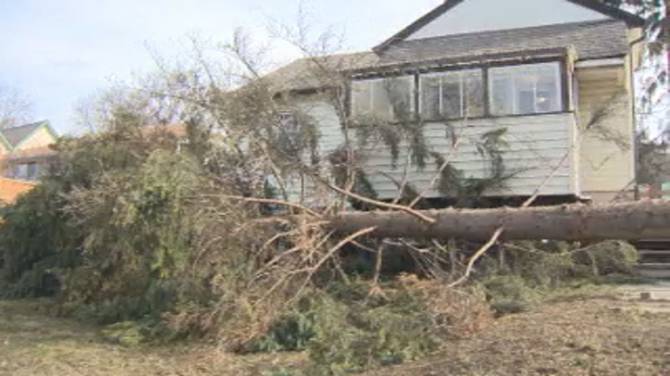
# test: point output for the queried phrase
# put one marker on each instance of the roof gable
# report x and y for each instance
(465, 16)
(15, 136)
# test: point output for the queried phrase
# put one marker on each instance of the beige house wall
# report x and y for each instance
(607, 143)
(42, 137)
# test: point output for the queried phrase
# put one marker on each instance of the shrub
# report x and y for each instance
(355, 338)
(356, 331)
(510, 294)
(37, 245)
(290, 332)
(609, 257)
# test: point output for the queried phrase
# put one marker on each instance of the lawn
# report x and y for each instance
(579, 335)
(33, 343)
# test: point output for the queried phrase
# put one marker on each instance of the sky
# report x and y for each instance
(59, 52)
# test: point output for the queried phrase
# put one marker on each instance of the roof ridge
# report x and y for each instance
(26, 125)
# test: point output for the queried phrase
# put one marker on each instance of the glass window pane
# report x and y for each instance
(384, 99)
(430, 97)
(502, 94)
(451, 96)
(400, 92)
(474, 94)
(381, 103)
(548, 99)
(525, 94)
(32, 170)
(360, 98)
(525, 89)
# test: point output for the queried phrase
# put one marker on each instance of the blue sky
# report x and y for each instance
(58, 52)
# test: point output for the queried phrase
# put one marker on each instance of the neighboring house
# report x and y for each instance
(25, 152)
(556, 74)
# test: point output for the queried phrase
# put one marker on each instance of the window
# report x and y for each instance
(26, 171)
(32, 171)
(289, 136)
(383, 98)
(452, 95)
(21, 171)
(525, 89)
(512, 90)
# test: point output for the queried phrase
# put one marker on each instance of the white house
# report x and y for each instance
(555, 74)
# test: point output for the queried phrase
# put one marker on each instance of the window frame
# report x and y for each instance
(564, 95)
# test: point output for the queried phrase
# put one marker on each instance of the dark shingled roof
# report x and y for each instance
(589, 40)
(593, 39)
(15, 135)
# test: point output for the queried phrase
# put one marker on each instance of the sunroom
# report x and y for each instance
(525, 97)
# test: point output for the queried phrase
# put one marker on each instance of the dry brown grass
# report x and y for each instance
(596, 336)
(35, 344)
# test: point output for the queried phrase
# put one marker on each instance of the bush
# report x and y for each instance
(510, 294)
(355, 338)
(349, 330)
(609, 257)
(289, 332)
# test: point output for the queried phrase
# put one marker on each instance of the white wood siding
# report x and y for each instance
(607, 157)
(536, 146)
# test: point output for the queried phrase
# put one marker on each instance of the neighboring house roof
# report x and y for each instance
(16, 135)
(595, 5)
(11, 189)
(589, 40)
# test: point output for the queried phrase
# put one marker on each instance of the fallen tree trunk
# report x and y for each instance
(628, 221)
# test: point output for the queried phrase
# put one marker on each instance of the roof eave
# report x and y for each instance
(519, 57)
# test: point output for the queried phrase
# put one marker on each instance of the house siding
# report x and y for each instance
(536, 146)
(42, 137)
(607, 157)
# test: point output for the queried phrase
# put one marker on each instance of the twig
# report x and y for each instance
(330, 253)
(445, 164)
(477, 256)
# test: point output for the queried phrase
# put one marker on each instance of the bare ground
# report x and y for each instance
(575, 336)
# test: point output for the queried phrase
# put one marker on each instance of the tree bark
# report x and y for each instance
(628, 221)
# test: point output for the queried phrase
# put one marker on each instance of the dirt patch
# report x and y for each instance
(587, 337)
